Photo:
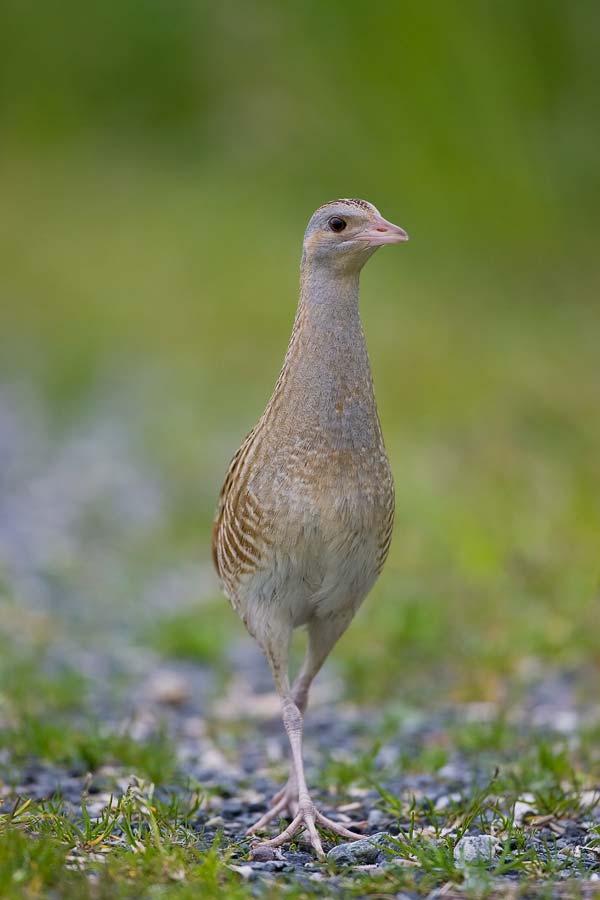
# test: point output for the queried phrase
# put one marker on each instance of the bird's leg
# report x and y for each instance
(285, 801)
(293, 702)
(307, 816)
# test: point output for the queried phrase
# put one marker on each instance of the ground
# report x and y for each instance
(140, 735)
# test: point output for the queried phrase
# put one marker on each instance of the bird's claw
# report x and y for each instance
(306, 819)
(284, 803)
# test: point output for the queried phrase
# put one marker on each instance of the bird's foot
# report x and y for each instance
(306, 819)
(284, 803)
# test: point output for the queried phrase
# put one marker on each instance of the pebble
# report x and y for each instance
(445, 800)
(168, 687)
(475, 848)
(262, 853)
(360, 853)
(246, 872)
(376, 817)
(523, 811)
(233, 807)
(452, 771)
(99, 804)
(272, 865)
(132, 501)
(215, 822)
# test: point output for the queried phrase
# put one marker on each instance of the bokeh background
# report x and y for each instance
(158, 163)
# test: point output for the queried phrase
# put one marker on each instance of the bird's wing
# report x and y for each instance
(385, 535)
(240, 531)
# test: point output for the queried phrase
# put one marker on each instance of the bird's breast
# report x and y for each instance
(328, 546)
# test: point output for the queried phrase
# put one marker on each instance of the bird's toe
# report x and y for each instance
(337, 828)
(284, 803)
(307, 818)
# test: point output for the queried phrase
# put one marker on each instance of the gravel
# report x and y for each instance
(477, 848)
(63, 545)
(356, 853)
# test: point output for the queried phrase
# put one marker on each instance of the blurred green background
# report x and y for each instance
(158, 163)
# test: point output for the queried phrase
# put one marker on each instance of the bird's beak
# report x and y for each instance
(383, 232)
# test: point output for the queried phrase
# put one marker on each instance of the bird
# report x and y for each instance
(305, 516)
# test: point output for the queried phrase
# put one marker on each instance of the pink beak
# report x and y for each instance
(383, 232)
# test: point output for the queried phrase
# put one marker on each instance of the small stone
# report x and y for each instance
(475, 848)
(349, 807)
(523, 810)
(387, 756)
(358, 792)
(446, 800)
(376, 817)
(452, 771)
(360, 853)
(246, 872)
(215, 822)
(590, 799)
(272, 865)
(168, 687)
(262, 853)
(232, 807)
(96, 807)
(299, 859)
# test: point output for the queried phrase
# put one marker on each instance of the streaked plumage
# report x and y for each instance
(305, 516)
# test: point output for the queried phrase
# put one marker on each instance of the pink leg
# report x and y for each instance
(293, 703)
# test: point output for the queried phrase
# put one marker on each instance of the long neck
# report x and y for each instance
(325, 389)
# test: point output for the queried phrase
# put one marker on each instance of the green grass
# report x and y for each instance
(486, 376)
(139, 843)
(202, 634)
(135, 845)
(89, 745)
(155, 181)
(44, 716)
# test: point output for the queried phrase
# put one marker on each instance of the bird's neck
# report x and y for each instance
(325, 387)
(328, 304)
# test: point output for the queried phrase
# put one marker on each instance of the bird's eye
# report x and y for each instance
(336, 224)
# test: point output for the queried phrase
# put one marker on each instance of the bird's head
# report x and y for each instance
(345, 233)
